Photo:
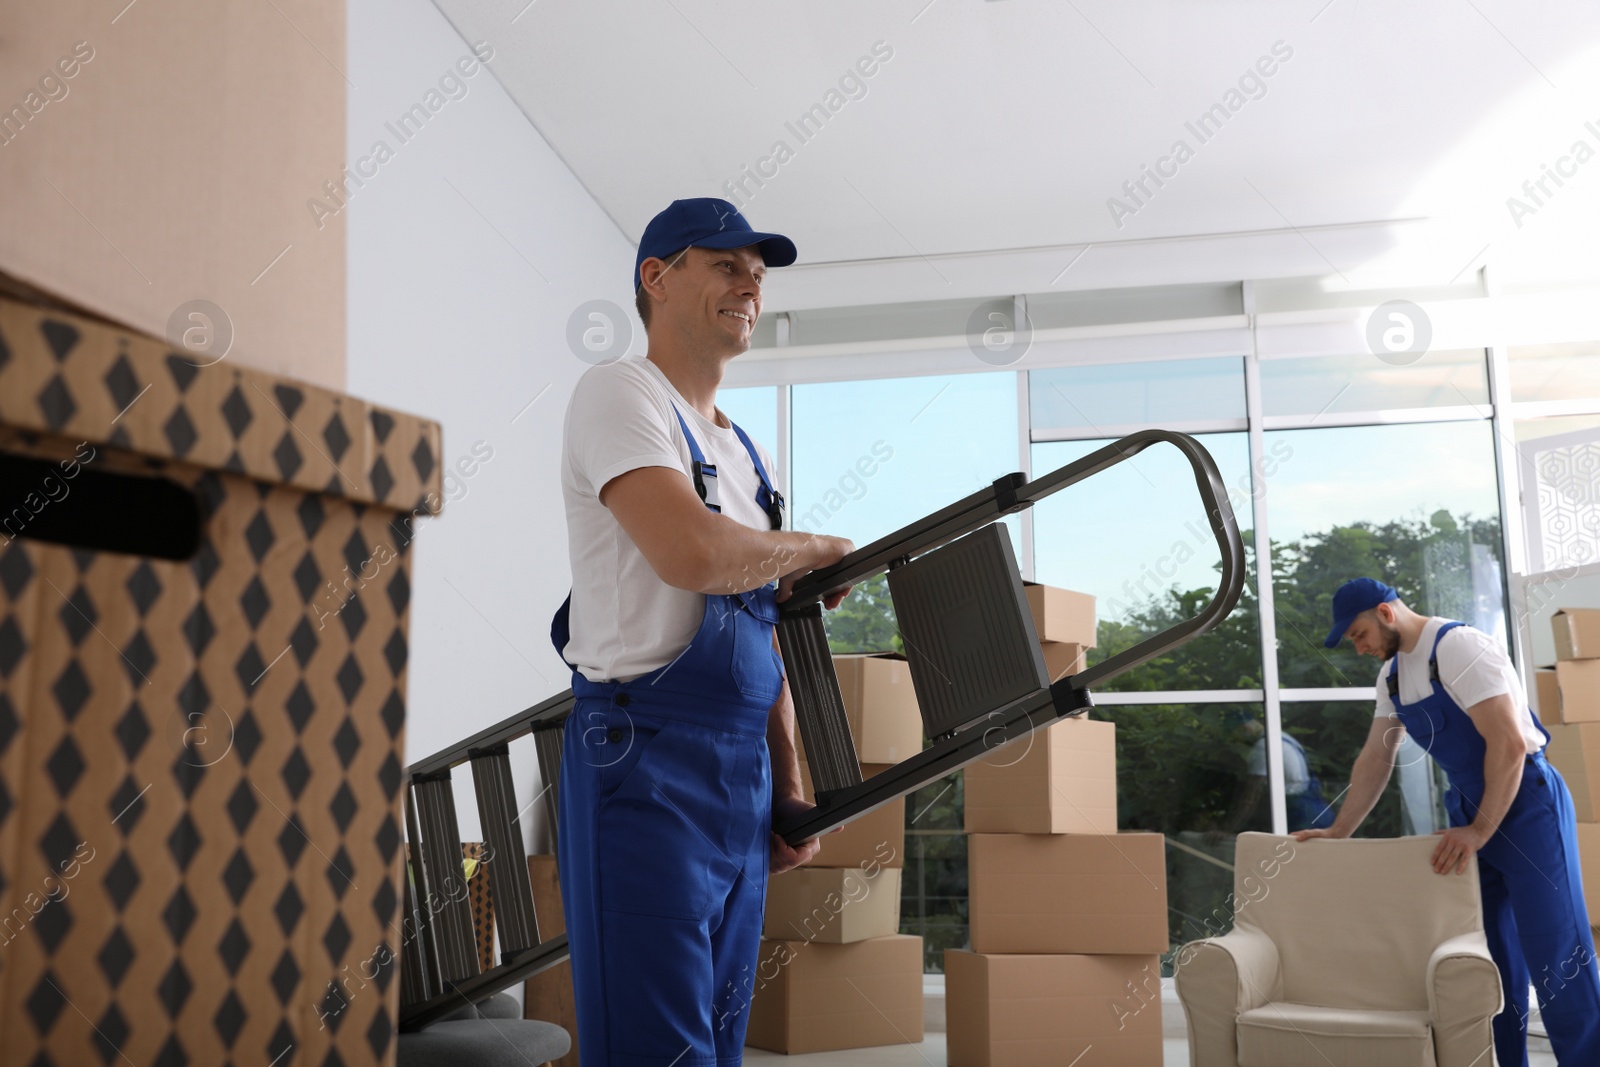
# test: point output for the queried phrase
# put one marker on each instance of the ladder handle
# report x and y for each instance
(1224, 527)
(1007, 496)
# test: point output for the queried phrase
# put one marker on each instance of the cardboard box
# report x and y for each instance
(1047, 1011)
(816, 998)
(1575, 751)
(477, 875)
(548, 996)
(833, 905)
(879, 835)
(1579, 682)
(140, 241)
(1589, 859)
(211, 699)
(1061, 614)
(881, 705)
(1062, 658)
(1577, 633)
(1547, 695)
(1095, 894)
(1062, 780)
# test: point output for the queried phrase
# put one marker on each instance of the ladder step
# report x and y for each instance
(418, 980)
(548, 739)
(508, 859)
(969, 636)
(422, 939)
(818, 704)
(443, 891)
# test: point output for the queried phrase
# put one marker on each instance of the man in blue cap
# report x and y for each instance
(680, 750)
(1453, 689)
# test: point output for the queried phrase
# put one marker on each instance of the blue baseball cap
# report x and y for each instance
(706, 222)
(1354, 597)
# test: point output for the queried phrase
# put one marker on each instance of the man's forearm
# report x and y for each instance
(738, 558)
(1502, 777)
(1367, 780)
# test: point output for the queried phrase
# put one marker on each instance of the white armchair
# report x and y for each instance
(1343, 952)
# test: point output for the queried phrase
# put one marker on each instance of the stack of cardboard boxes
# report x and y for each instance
(1068, 917)
(1568, 699)
(834, 971)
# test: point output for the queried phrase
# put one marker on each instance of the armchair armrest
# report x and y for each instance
(1217, 979)
(1464, 996)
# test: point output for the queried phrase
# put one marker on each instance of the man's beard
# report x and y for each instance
(1390, 641)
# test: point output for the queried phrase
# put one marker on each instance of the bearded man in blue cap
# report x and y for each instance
(1453, 689)
(679, 753)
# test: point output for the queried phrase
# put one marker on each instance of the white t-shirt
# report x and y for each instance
(1472, 668)
(625, 620)
(1296, 775)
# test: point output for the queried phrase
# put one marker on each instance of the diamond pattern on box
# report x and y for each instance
(198, 797)
(482, 902)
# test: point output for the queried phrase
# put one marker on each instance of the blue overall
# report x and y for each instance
(663, 839)
(1307, 809)
(1533, 906)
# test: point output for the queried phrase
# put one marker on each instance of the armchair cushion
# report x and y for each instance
(1308, 1035)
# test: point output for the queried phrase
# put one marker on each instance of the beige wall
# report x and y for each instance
(176, 164)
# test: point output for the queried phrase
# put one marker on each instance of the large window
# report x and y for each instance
(1359, 467)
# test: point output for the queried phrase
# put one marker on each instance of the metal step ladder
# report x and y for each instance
(975, 664)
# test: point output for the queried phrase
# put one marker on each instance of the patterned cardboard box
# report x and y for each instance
(200, 759)
(482, 902)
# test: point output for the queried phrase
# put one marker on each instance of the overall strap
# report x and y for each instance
(1393, 678)
(770, 499)
(705, 474)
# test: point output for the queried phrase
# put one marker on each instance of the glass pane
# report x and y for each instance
(1414, 505)
(1189, 772)
(1135, 537)
(933, 886)
(755, 410)
(1329, 736)
(1555, 372)
(1331, 385)
(1143, 394)
(870, 457)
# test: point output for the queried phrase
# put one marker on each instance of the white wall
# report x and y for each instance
(448, 319)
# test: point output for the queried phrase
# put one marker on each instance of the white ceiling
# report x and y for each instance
(983, 153)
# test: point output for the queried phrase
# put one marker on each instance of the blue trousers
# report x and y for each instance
(663, 848)
(1536, 920)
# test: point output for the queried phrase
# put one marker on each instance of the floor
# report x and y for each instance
(931, 1052)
